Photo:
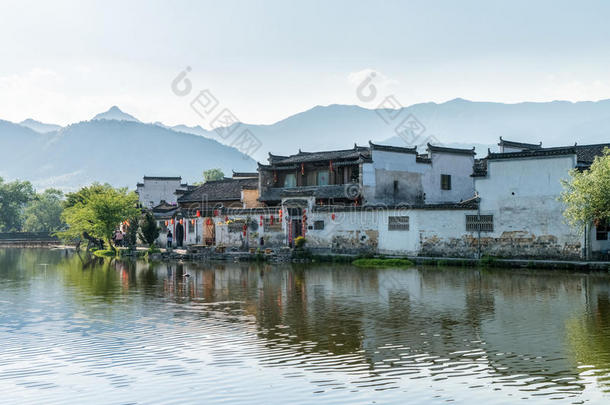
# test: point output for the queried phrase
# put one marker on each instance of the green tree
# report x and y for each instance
(149, 231)
(213, 174)
(98, 210)
(43, 213)
(13, 198)
(131, 235)
(587, 193)
(83, 194)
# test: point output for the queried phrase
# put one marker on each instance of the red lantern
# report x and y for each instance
(181, 221)
(271, 220)
(192, 222)
(226, 219)
(333, 216)
(215, 213)
(165, 223)
(172, 221)
(198, 213)
(302, 169)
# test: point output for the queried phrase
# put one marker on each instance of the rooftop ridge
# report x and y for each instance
(523, 144)
(554, 151)
(451, 150)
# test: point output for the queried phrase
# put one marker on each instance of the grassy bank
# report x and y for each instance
(379, 262)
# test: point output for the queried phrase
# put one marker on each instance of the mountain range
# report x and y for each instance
(116, 147)
(116, 151)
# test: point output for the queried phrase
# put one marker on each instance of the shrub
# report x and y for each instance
(299, 242)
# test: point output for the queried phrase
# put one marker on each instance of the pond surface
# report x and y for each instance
(78, 331)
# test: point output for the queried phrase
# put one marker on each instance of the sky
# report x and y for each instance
(65, 61)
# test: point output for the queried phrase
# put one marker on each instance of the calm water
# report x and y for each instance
(76, 331)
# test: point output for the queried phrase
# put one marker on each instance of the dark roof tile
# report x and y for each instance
(443, 149)
(220, 190)
(523, 145)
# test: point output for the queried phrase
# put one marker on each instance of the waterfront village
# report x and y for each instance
(386, 200)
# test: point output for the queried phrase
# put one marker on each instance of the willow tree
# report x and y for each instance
(587, 194)
(98, 210)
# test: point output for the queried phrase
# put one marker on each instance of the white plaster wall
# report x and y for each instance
(522, 194)
(445, 226)
(236, 239)
(445, 230)
(459, 167)
(157, 190)
(388, 161)
(428, 176)
(508, 149)
(598, 245)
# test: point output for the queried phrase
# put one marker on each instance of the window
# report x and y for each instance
(290, 180)
(601, 230)
(484, 223)
(318, 225)
(191, 227)
(395, 187)
(445, 182)
(398, 223)
(322, 178)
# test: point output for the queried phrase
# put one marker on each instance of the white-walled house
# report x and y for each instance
(155, 189)
(396, 175)
(392, 200)
(519, 196)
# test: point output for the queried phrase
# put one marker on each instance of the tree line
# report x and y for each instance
(91, 214)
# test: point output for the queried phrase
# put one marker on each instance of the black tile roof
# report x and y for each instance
(480, 168)
(244, 174)
(219, 190)
(390, 148)
(569, 150)
(442, 149)
(164, 210)
(164, 206)
(162, 178)
(358, 152)
(587, 153)
(523, 145)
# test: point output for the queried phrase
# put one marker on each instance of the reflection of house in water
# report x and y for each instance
(444, 322)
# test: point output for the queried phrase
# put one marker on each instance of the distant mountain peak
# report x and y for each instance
(115, 113)
(458, 100)
(38, 126)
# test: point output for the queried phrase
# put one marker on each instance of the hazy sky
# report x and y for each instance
(63, 62)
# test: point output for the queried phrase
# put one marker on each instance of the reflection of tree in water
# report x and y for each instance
(92, 276)
(589, 339)
(18, 265)
(495, 322)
